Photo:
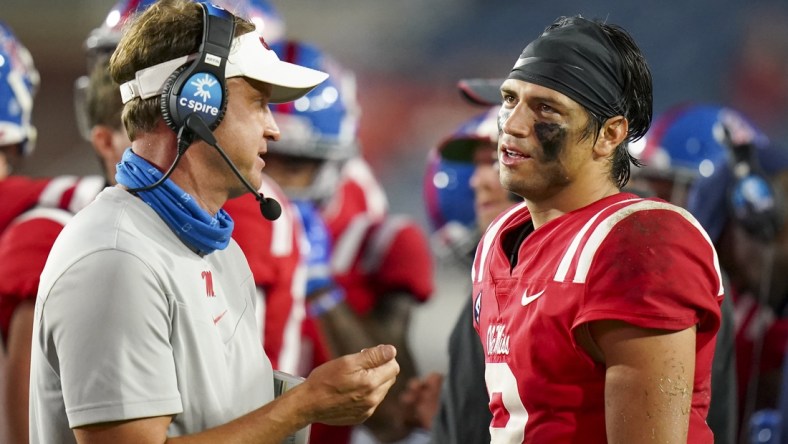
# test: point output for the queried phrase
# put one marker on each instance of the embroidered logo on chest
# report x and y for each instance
(208, 278)
(217, 306)
(497, 340)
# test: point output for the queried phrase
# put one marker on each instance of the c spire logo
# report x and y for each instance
(202, 93)
(201, 85)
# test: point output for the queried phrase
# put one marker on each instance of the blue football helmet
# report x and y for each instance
(324, 123)
(687, 142)
(460, 146)
(688, 139)
(267, 20)
(19, 81)
(447, 190)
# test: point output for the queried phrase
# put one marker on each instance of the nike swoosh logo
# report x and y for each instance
(219, 318)
(521, 61)
(528, 299)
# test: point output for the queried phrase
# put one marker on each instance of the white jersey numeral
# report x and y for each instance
(501, 384)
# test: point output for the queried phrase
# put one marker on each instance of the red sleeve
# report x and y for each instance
(253, 233)
(24, 248)
(406, 259)
(358, 193)
(392, 256)
(18, 194)
(655, 269)
(273, 253)
(71, 193)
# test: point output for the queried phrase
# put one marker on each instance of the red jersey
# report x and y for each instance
(273, 251)
(36, 211)
(641, 261)
(358, 192)
(753, 320)
(371, 259)
(19, 194)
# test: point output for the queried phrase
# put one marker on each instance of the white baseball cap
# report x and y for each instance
(249, 57)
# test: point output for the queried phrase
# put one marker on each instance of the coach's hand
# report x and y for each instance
(347, 390)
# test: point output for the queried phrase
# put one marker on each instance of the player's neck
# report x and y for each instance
(573, 197)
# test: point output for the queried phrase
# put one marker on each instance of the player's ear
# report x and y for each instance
(612, 133)
(101, 136)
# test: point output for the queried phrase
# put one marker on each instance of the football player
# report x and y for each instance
(367, 267)
(742, 206)
(31, 217)
(597, 310)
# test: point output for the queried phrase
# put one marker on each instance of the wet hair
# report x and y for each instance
(636, 102)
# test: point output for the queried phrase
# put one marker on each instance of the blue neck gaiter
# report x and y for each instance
(199, 230)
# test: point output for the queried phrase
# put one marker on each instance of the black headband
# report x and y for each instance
(579, 61)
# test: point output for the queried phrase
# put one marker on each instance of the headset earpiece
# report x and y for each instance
(164, 103)
(200, 87)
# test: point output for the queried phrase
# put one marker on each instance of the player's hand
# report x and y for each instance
(421, 400)
(347, 390)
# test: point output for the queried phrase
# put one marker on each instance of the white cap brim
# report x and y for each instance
(248, 58)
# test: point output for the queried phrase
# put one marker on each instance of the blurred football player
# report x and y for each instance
(24, 243)
(687, 143)
(742, 206)
(366, 267)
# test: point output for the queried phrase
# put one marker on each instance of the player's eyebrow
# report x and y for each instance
(535, 97)
(507, 91)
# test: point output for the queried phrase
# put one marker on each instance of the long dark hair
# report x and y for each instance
(636, 102)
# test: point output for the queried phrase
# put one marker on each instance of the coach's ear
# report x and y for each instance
(612, 133)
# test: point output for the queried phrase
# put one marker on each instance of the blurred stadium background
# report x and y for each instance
(409, 54)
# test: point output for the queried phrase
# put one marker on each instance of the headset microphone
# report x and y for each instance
(269, 208)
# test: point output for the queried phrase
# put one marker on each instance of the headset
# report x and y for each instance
(754, 202)
(204, 78)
